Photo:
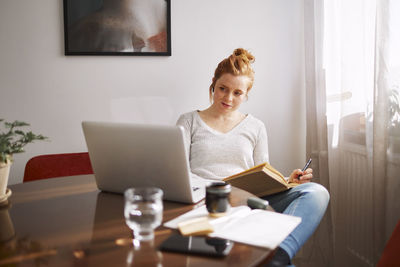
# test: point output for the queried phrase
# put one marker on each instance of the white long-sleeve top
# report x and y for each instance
(215, 155)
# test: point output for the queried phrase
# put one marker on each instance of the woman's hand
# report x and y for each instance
(297, 176)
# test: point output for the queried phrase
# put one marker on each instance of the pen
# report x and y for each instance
(307, 164)
(305, 167)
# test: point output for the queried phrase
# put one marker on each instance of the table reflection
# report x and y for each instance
(144, 255)
(14, 249)
(7, 231)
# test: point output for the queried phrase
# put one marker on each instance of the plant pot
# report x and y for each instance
(4, 174)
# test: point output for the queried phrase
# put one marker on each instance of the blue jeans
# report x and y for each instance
(308, 201)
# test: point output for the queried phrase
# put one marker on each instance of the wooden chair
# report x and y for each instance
(391, 254)
(57, 165)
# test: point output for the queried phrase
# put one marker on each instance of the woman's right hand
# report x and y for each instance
(300, 177)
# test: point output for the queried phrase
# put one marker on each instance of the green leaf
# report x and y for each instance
(19, 132)
(20, 124)
(14, 141)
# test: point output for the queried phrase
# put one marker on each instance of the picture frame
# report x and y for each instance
(117, 27)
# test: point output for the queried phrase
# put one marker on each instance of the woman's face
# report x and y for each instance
(229, 92)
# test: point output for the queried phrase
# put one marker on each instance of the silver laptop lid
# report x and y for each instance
(131, 155)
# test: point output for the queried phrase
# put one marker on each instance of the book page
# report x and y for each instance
(269, 167)
(253, 169)
(202, 212)
(257, 227)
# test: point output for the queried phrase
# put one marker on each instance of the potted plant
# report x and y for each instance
(12, 140)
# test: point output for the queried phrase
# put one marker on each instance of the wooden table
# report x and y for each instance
(69, 222)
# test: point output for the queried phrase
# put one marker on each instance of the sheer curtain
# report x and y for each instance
(352, 81)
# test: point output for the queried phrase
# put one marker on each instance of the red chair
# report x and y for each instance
(57, 165)
(391, 254)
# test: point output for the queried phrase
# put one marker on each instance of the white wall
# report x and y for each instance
(54, 93)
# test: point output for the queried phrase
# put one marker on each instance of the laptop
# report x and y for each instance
(125, 155)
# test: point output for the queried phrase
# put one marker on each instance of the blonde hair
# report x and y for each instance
(239, 63)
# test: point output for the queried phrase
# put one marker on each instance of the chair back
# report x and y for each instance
(57, 165)
(391, 254)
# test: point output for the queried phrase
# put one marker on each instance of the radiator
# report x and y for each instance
(354, 209)
(354, 217)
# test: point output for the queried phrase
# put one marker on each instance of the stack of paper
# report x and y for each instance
(253, 227)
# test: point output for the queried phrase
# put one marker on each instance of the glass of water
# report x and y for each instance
(143, 212)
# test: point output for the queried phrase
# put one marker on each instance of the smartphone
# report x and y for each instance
(199, 245)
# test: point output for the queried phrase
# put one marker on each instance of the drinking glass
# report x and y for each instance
(143, 212)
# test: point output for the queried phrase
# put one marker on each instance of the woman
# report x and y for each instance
(222, 141)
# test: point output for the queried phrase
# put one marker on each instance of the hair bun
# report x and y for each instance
(244, 54)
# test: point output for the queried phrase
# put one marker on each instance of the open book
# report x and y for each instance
(261, 180)
(256, 227)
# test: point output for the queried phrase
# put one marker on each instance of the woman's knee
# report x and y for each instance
(319, 193)
(316, 191)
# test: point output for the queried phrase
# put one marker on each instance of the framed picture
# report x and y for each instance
(117, 27)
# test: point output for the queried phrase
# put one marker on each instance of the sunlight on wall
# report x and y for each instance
(148, 109)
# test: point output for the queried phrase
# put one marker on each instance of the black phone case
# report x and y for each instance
(197, 245)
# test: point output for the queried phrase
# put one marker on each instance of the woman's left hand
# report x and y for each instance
(297, 176)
